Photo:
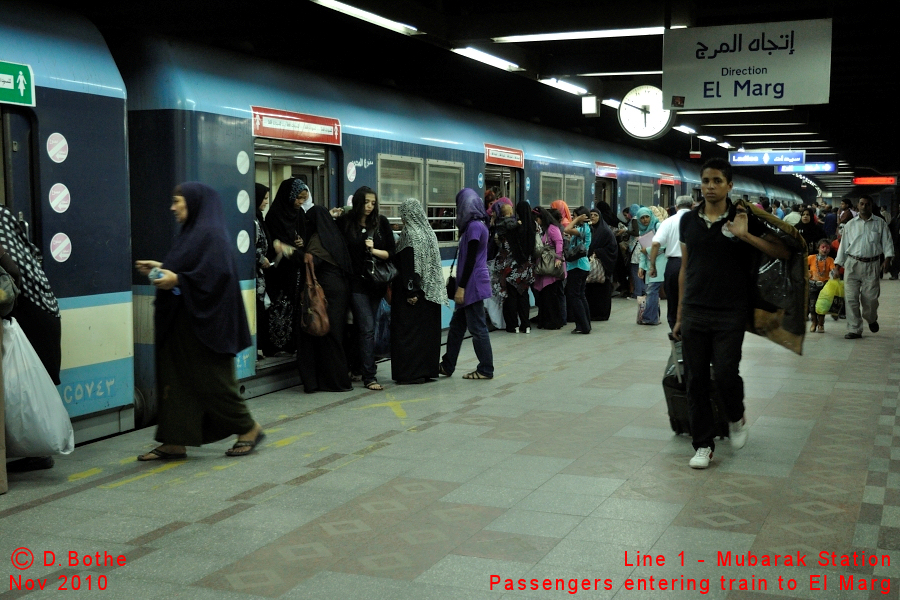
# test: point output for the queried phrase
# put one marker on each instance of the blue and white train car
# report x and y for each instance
(65, 175)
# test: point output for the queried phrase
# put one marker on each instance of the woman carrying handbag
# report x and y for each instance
(549, 271)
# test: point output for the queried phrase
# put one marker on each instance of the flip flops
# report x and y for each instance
(476, 375)
(251, 444)
(158, 454)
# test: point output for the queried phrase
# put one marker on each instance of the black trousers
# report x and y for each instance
(714, 338)
(670, 284)
(515, 309)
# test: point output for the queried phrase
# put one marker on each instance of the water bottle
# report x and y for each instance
(155, 273)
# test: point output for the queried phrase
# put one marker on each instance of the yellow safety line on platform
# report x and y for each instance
(394, 405)
(85, 474)
(155, 471)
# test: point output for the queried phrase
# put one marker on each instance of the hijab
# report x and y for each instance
(32, 281)
(469, 207)
(563, 209)
(653, 225)
(522, 242)
(283, 219)
(261, 192)
(606, 214)
(202, 256)
(418, 235)
(318, 221)
(494, 208)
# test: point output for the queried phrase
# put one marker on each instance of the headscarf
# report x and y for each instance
(261, 192)
(418, 235)
(653, 225)
(202, 256)
(522, 242)
(32, 280)
(469, 207)
(494, 208)
(634, 209)
(660, 212)
(283, 219)
(563, 209)
(606, 213)
(319, 221)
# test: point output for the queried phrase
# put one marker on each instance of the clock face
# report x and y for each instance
(642, 115)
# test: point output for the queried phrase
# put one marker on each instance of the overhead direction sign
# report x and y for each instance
(738, 66)
(16, 84)
(298, 127)
(764, 158)
(823, 167)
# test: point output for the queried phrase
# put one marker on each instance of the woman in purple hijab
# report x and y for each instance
(473, 287)
(200, 325)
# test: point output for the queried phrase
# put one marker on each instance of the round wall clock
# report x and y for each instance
(642, 115)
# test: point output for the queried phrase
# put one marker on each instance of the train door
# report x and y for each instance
(277, 160)
(506, 178)
(605, 191)
(17, 176)
(666, 195)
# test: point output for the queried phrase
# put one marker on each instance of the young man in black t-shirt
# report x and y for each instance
(718, 249)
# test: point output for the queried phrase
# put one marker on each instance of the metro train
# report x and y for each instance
(90, 167)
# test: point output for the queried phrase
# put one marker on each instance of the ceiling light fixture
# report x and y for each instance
(488, 59)
(620, 74)
(611, 103)
(786, 142)
(773, 133)
(562, 85)
(725, 145)
(731, 111)
(684, 129)
(706, 138)
(753, 124)
(580, 35)
(368, 17)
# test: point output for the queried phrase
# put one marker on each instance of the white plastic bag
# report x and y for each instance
(37, 423)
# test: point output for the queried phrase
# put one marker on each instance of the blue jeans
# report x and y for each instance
(638, 281)
(469, 317)
(364, 308)
(651, 310)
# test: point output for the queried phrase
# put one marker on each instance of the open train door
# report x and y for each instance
(504, 168)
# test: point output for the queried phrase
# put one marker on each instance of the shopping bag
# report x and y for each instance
(831, 298)
(641, 305)
(494, 308)
(37, 423)
(383, 329)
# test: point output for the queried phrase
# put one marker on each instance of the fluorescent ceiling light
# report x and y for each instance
(368, 17)
(752, 124)
(786, 142)
(620, 73)
(611, 103)
(730, 111)
(725, 145)
(684, 129)
(772, 133)
(488, 59)
(706, 138)
(562, 85)
(580, 35)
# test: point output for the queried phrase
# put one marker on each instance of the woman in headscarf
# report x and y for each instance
(262, 264)
(368, 236)
(604, 247)
(200, 326)
(321, 360)
(648, 224)
(473, 285)
(283, 222)
(634, 251)
(565, 216)
(811, 231)
(36, 310)
(578, 231)
(418, 293)
(513, 266)
(548, 290)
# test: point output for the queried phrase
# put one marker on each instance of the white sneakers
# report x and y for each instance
(701, 458)
(738, 433)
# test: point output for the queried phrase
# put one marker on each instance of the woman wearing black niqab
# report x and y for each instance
(263, 247)
(200, 326)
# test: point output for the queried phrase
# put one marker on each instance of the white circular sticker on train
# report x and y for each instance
(243, 201)
(243, 241)
(528, 184)
(60, 247)
(351, 172)
(59, 198)
(57, 147)
(243, 162)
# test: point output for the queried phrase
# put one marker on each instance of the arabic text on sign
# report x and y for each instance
(297, 126)
(760, 44)
(6, 81)
(504, 155)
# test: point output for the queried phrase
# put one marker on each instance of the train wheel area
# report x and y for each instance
(551, 471)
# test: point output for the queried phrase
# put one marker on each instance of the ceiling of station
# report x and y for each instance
(857, 126)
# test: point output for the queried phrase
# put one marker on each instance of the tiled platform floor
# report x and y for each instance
(554, 469)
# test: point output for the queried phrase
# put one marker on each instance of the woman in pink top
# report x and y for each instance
(548, 290)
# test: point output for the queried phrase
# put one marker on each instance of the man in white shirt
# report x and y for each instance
(865, 238)
(667, 237)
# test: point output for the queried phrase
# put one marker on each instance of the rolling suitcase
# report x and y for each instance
(675, 389)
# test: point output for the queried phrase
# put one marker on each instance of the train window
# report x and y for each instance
(574, 191)
(399, 178)
(639, 193)
(444, 180)
(551, 188)
(277, 160)
(666, 196)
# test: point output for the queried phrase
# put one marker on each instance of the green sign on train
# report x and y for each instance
(16, 84)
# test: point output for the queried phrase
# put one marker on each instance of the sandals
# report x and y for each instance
(374, 386)
(235, 450)
(442, 370)
(476, 375)
(157, 454)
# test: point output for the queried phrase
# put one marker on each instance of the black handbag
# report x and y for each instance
(451, 281)
(545, 262)
(377, 270)
(576, 249)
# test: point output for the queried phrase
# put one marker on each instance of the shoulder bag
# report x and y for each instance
(313, 304)
(451, 280)
(597, 273)
(545, 263)
(576, 248)
(378, 270)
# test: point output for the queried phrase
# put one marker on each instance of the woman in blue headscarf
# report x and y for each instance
(200, 326)
(648, 223)
(473, 286)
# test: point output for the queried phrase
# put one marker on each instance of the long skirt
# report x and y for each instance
(599, 297)
(415, 340)
(321, 361)
(199, 400)
(551, 302)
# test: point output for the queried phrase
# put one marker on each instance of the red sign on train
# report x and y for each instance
(603, 169)
(507, 157)
(297, 127)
